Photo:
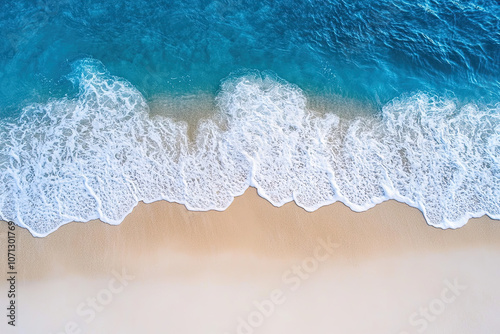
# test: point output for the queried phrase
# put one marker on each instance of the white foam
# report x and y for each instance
(98, 155)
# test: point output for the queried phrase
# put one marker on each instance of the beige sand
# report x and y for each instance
(386, 271)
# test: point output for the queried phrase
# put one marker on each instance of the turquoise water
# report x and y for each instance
(373, 50)
(79, 81)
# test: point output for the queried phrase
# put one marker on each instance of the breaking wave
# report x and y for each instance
(98, 154)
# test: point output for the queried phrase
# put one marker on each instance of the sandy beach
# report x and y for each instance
(255, 268)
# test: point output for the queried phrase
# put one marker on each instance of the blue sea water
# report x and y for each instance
(88, 89)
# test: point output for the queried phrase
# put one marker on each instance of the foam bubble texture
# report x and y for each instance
(99, 154)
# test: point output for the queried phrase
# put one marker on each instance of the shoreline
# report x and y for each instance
(216, 231)
(251, 189)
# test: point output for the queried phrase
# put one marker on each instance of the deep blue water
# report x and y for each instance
(88, 89)
(369, 50)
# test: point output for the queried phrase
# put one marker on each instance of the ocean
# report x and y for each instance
(107, 103)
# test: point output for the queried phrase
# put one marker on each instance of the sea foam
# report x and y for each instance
(98, 154)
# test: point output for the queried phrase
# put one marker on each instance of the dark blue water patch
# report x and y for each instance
(367, 50)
